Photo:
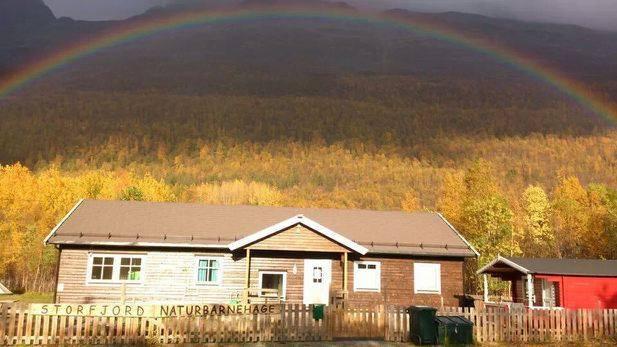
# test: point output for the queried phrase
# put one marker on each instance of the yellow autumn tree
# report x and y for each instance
(570, 216)
(538, 238)
(601, 229)
(236, 192)
(410, 202)
(451, 196)
(18, 214)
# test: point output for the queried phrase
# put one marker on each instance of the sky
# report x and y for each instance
(100, 9)
(599, 14)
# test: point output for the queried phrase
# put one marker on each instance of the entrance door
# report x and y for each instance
(317, 278)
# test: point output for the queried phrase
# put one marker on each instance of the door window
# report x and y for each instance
(317, 274)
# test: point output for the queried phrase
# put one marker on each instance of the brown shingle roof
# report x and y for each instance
(199, 225)
(577, 267)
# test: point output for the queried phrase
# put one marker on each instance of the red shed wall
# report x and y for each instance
(586, 292)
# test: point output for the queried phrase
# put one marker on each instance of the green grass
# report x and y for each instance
(30, 297)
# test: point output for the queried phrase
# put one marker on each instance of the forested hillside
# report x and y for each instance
(321, 113)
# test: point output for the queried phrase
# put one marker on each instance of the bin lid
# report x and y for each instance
(422, 308)
(452, 320)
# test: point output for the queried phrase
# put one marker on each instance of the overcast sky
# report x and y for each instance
(600, 14)
(100, 9)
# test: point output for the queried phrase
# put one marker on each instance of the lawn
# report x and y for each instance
(30, 297)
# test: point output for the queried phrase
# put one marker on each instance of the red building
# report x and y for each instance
(568, 283)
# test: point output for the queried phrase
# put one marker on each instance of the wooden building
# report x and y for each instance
(4, 290)
(114, 251)
(547, 283)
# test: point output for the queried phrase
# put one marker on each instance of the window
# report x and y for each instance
(317, 274)
(367, 276)
(208, 270)
(130, 268)
(102, 268)
(427, 278)
(115, 268)
(273, 280)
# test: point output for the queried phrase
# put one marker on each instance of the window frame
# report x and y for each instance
(356, 270)
(273, 272)
(219, 279)
(415, 281)
(115, 275)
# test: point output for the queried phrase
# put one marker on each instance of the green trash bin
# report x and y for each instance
(422, 328)
(318, 312)
(454, 330)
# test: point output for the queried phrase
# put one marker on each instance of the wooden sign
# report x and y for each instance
(145, 310)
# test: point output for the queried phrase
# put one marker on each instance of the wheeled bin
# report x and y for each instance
(318, 312)
(422, 327)
(454, 330)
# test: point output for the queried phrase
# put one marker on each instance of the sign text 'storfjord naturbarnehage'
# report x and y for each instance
(172, 310)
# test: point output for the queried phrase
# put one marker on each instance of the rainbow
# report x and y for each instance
(144, 28)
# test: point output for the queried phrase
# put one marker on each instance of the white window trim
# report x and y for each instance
(284, 296)
(415, 287)
(355, 276)
(205, 283)
(115, 277)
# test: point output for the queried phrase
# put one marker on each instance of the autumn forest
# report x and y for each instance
(340, 118)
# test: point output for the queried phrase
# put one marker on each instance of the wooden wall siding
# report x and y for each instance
(520, 291)
(397, 284)
(396, 279)
(171, 276)
(295, 281)
(167, 276)
(298, 238)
